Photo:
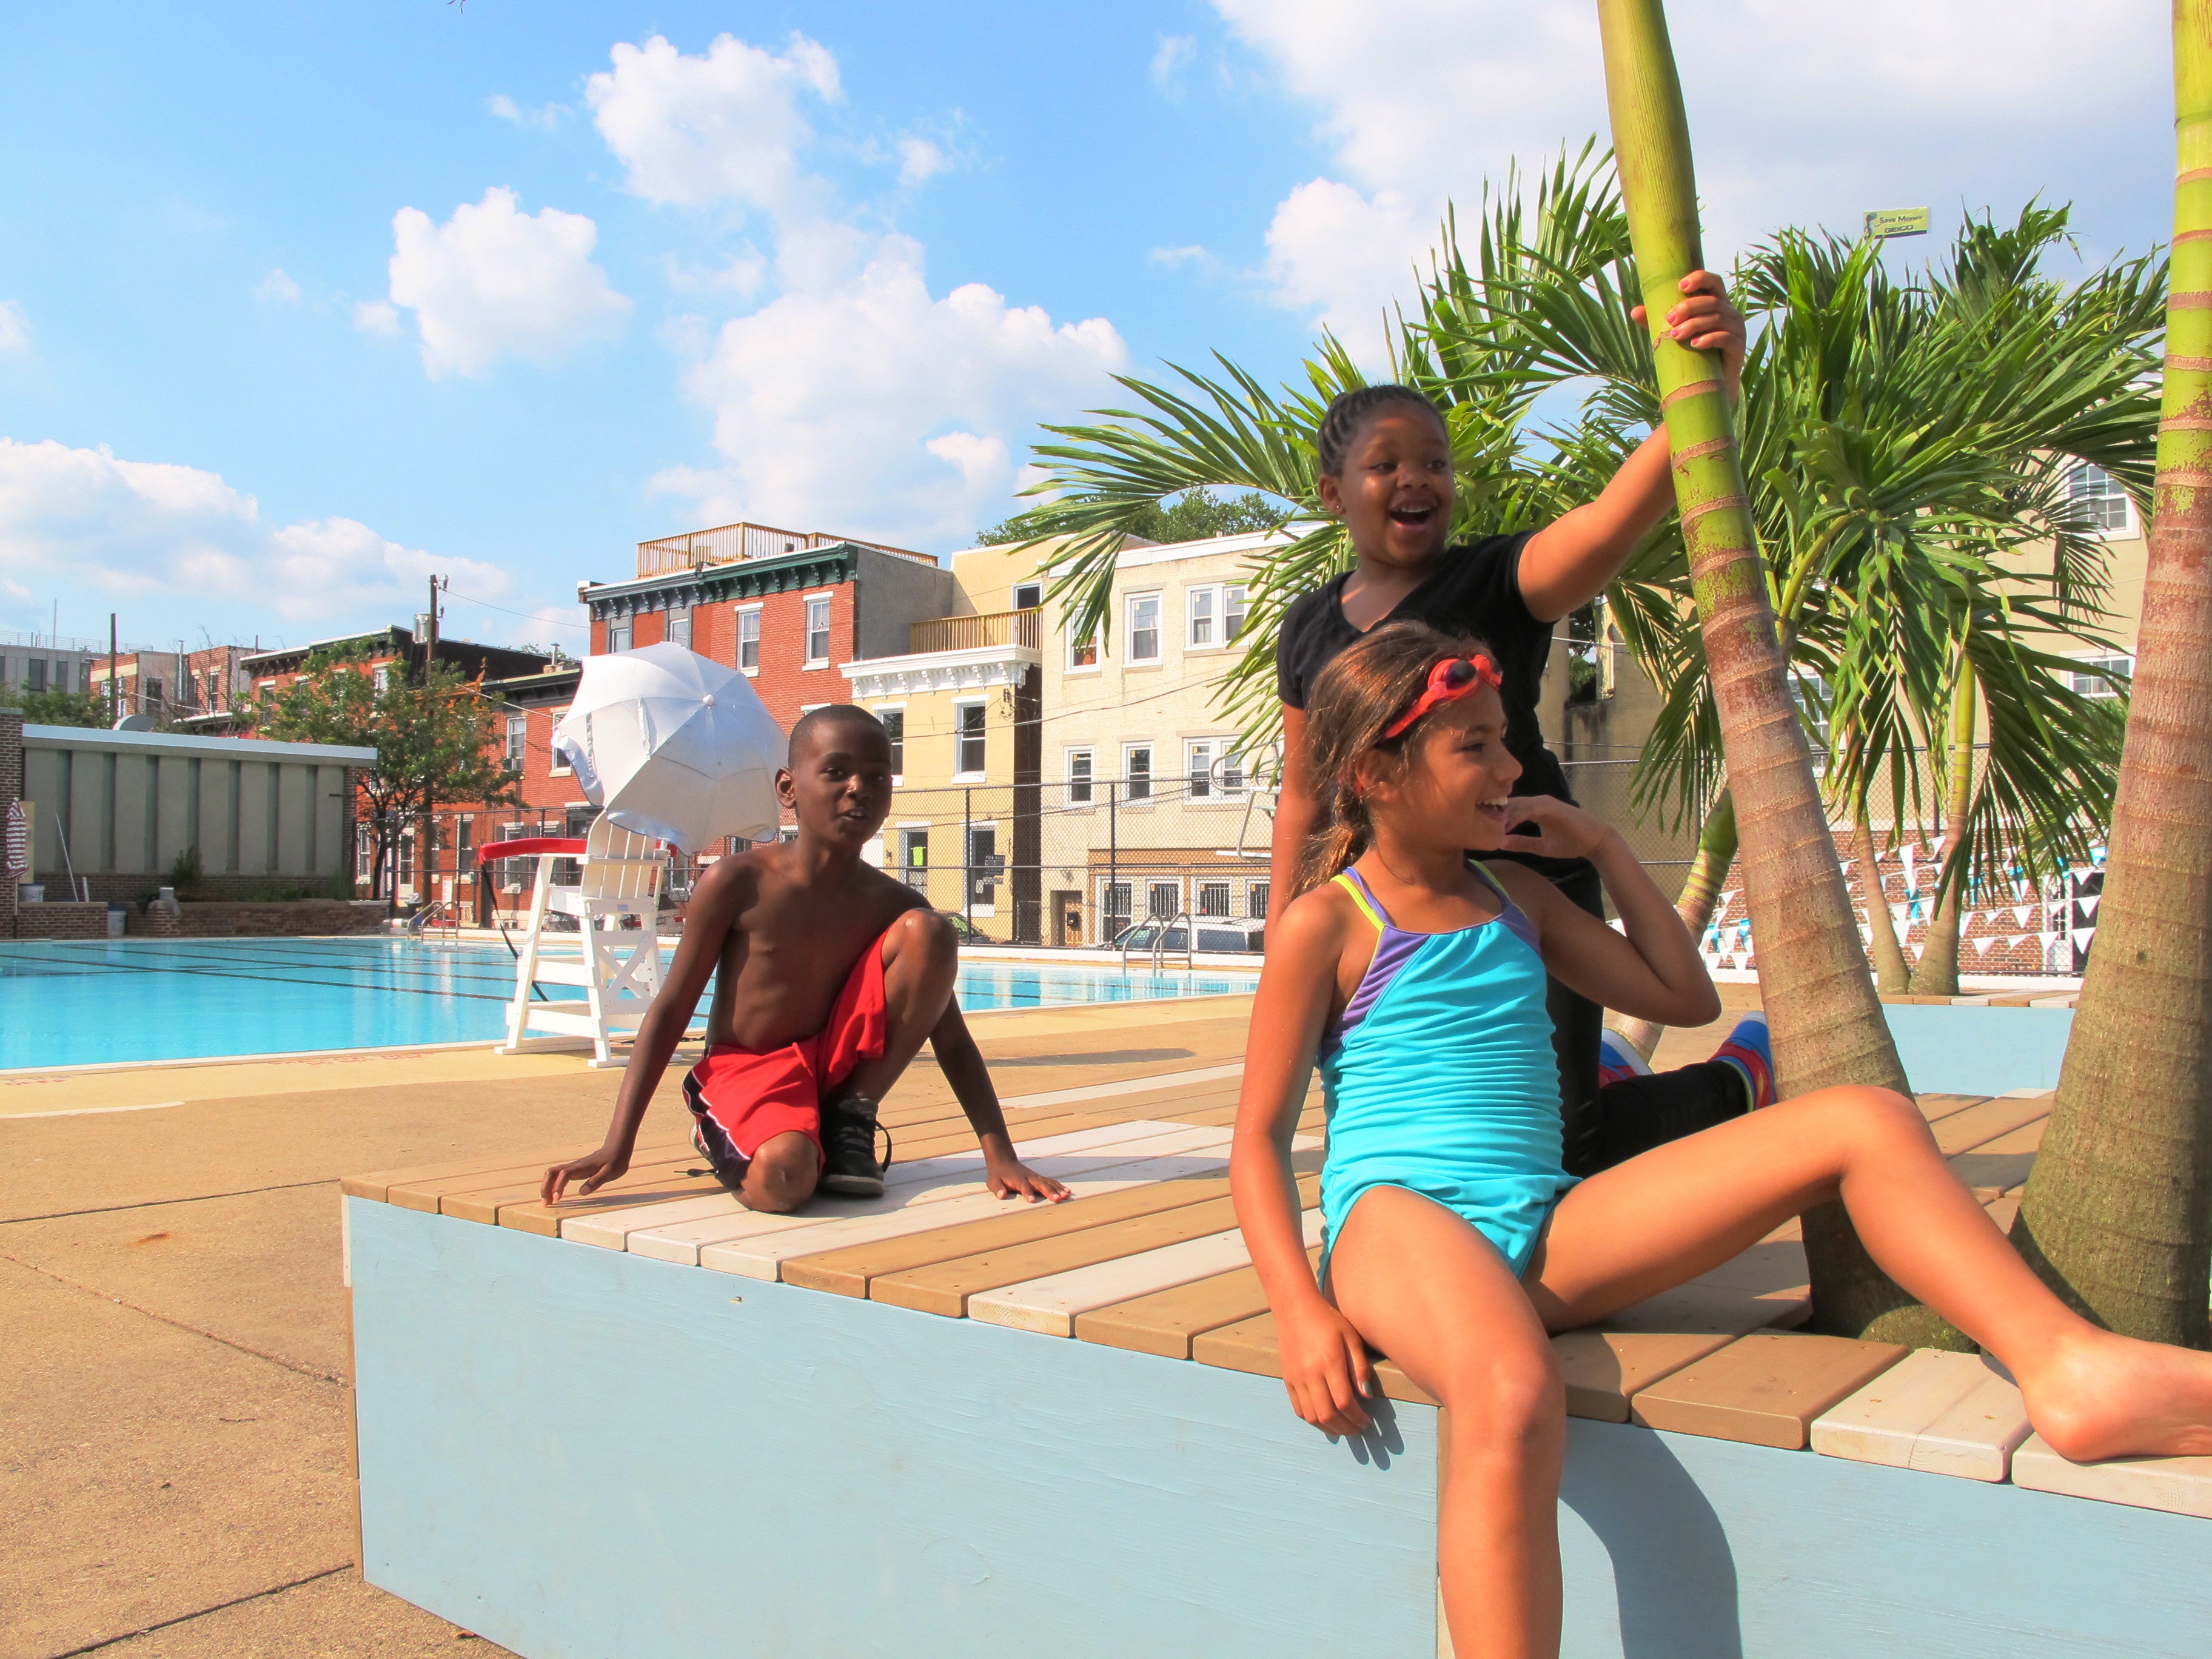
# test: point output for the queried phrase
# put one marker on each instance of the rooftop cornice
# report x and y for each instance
(972, 669)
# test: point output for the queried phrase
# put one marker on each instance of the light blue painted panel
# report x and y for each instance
(577, 1453)
(1979, 1051)
(1679, 1548)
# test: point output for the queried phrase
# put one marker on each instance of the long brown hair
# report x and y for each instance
(1359, 693)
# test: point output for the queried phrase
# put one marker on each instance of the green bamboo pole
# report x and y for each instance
(1828, 1022)
(2117, 1214)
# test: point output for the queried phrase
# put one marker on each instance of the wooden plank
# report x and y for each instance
(1962, 1131)
(1765, 1388)
(1935, 1106)
(421, 1190)
(1605, 1366)
(1165, 1322)
(1251, 1345)
(2179, 1486)
(1178, 1155)
(1773, 1265)
(692, 1179)
(1050, 1304)
(847, 1271)
(943, 1286)
(1887, 1421)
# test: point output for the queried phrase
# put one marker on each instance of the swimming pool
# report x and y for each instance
(76, 1003)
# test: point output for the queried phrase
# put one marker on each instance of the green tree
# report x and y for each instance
(2117, 1214)
(56, 707)
(1189, 517)
(437, 739)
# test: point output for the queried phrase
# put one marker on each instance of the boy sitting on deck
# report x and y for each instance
(831, 974)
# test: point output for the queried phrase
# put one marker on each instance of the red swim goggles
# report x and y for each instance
(1448, 681)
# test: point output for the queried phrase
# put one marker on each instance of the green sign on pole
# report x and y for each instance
(1897, 222)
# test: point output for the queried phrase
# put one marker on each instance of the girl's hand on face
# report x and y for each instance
(1326, 1370)
(1562, 831)
(1705, 320)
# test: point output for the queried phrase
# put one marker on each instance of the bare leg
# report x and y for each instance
(781, 1174)
(920, 956)
(1463, 1329)
(1685, 1207)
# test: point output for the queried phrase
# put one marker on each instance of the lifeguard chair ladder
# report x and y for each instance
(620, 967)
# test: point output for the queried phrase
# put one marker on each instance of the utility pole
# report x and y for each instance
(114, 686)
(436, 582)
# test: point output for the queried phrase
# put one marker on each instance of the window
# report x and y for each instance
(1144, 628)
(518, 740)
(818, 631)
(36, 672)
(2098, 502)
(1163, 899)
(679, 626)
(407, 837)
(894, 721)
(1114, 898)
(1199, 605)
(1232, 770)
(558, 764)
(618, 635)
(1232, 612)
(381, 677)
(364, 853)
(1213, 898)
(1198, 767)
(2095, 676)
(1028, 596)
(1082, 652)
(1079, 777)
(465, 844)
(968, 754)
(748, 640)
(983, 863)
(1256, 901)
(152, 697)
(1136, 771)
(914, 859)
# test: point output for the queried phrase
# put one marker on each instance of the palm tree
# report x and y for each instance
(2117, 1213)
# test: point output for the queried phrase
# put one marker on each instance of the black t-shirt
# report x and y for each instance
(1475, 589)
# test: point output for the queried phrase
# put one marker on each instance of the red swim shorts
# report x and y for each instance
(740, 1098)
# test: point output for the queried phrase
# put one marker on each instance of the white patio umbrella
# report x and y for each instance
(675, 745)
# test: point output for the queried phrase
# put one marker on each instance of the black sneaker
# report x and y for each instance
(850, 1165)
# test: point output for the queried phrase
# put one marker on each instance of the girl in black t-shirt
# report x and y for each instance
(1385, 469)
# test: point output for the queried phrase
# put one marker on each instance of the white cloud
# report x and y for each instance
(1338, 256)
(153, 531)
(376, 317)
(920, 158)
(15, 328)
(1175, 53)
(870, 402)
(1191, 254)
(1795, 120)
(545, 117)
(277, 286)
(723, 127)
(494, 281)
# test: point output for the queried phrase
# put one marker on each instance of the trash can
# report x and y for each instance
(116, 916)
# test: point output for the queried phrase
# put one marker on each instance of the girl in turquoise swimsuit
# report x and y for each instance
(1455, 1244)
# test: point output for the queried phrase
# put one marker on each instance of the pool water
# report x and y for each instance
(76, 1003)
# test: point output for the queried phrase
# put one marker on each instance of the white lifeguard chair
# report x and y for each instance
(619, 966)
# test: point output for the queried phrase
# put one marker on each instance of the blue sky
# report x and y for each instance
(299, 302)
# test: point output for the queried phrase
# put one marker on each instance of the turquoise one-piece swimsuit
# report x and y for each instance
(1440, 1077)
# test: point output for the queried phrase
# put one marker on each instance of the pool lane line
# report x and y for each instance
(90, 1111)
(340, 959)
(327, 984)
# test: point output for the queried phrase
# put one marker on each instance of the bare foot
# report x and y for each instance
(2105, 1396)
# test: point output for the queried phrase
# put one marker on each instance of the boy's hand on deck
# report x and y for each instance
(1705, 320)
(1326, 1370)
(590, 1172)
(1011, 1178)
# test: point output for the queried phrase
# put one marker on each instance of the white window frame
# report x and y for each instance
(738, 651)
(1205, 884)
(1218, 787)
(676, 613)
(1151, 752)
(518, 741)
(808, 601)
(969, 904)
(380, 678)
(2093, 669)
(898, 746)
(2127, 528)
(965, 774)
(1090, 644)
(1237, 603)
(554, 764)
(1151, 884)
(1108, 917)
(1129, 603)
(621, 631)
(1088, 783)
(1201, 606)
(1035, 589)
(1257, 895)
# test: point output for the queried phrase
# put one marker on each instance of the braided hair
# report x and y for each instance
(1348, 410)
(1364, 689)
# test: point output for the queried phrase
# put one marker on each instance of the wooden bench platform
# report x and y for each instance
(924, 1423)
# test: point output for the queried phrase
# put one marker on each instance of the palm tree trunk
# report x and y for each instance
(1716, 844)
(1826, 1021)
(1937, 975)
(1891, 972)
(2118, 1215)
